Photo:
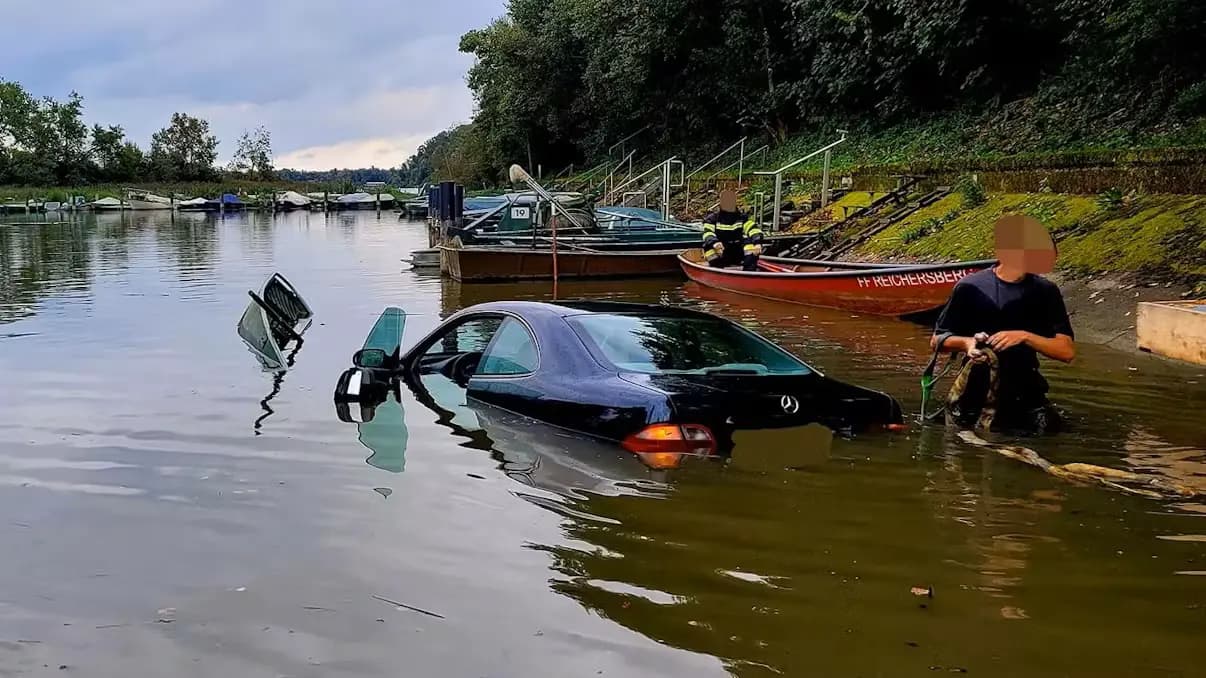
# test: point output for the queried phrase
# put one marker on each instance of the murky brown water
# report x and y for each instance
(158, 517)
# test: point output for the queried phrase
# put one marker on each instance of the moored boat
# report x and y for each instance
(487, 264)
(143, 200)
(876, 289)
(229, 202)
(292, 200)
(364, 201)
(107, 205)
(193, 205)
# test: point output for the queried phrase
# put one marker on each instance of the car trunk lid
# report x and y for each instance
(730, 401)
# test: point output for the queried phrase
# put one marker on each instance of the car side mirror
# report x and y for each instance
(369, 358)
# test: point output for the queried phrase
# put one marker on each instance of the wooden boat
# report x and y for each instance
(485, 264)
(1173, 329)
(876, 289)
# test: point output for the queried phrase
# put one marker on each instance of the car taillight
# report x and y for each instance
(671, 439)
(896, 428)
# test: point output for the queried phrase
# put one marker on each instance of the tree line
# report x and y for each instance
(560, 81)
(45, 142)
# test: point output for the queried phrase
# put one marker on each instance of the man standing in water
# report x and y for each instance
(1017, 313)
(730, 237)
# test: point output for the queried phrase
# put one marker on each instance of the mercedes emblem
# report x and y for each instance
(790, 404)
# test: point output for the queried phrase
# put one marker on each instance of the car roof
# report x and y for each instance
(585, 307)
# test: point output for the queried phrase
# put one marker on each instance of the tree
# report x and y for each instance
(253, 156)
(184, 150)
(107, 147)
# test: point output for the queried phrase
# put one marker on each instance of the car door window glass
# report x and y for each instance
(513, 351)
(468, 337)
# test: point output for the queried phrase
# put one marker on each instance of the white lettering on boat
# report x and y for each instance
(914, 279)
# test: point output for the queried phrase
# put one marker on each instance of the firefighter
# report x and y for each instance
(731, 237)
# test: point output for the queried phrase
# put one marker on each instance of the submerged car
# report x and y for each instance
(655, 379)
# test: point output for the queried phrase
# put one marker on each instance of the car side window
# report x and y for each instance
(513, 351)
(472, 336)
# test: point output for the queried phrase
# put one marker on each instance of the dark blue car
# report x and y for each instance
(656, 379)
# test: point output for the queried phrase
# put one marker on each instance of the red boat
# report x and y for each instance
(876, 289)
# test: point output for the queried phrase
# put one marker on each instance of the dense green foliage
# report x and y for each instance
(559, 81)
(44, 142)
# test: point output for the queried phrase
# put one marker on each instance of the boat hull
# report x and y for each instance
(886, 291)
(493, 264)
(614, 241)
(1173, 329)
(144, 205)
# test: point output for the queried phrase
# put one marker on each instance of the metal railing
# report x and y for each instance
(666, 167)
(621, 144)
(778, 175)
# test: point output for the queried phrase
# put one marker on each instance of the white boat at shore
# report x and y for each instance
(196, 204)
(107, 205)
(292, 200)
(364, 201)
(142, 200)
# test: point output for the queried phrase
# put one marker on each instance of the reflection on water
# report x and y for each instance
(147, 524)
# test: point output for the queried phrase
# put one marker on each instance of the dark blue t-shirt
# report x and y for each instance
(982, 302)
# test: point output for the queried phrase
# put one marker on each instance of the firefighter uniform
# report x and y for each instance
(740, 237)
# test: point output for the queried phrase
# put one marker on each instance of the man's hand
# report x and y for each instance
(975, 354)
(719, 247)
(1008, 339)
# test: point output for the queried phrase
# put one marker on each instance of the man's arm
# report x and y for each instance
(952, 325)
(1061, 347)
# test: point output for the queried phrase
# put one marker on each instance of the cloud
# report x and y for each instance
(379, 152)
(325, 78)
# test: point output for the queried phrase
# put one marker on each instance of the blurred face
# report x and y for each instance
(1024, 243)
(728, 201)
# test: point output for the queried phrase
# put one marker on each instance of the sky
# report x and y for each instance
(337, 84)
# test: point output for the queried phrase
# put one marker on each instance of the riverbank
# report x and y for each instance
(1113, 253)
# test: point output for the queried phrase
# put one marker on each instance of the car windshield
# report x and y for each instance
(681, 345)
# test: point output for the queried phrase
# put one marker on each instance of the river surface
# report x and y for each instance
(168, 508)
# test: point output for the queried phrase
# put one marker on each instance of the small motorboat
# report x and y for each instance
(144, 200)
(292, 200)
(875, 289)
(107, 205)
(229, 202)
(364, 201)
(425, 258)
(193, 205)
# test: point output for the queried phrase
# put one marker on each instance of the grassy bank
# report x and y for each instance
(1160, 236)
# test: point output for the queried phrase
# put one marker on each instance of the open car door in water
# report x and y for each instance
(659, 381)
(272, 320)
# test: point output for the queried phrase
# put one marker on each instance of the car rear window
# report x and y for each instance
(681, 345)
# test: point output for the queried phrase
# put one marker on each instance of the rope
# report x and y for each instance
(1151, 487)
